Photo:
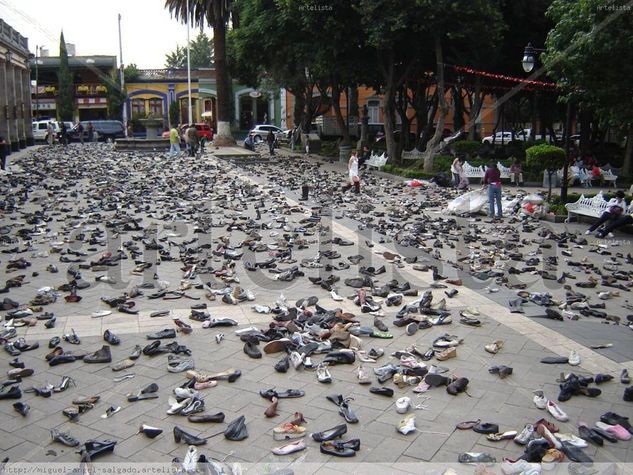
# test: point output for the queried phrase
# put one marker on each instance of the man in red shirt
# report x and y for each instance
(492, 179)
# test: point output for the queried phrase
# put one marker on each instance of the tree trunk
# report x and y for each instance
(458, 108)
(401, 106)
(475, 110)
(336, 103)
(431, 146)
(298, 108)
(585, 125)
(388, 113)
(223, 136)
(627, 165)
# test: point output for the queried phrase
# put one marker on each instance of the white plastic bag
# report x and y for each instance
(471, 202)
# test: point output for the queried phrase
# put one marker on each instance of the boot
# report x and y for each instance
(305, 189)
(187, 438)
(357, 187)
(100, 356)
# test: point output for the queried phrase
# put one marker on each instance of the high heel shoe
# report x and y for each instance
(66, 382)
(187, 438)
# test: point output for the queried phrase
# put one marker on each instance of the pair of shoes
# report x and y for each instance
(344, 409)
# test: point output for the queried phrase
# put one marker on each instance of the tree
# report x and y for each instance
(131, 73)
(587, 38)
(546, 157)
(174, 113)
(216, 14)
(116, 96)
(176, 59)
(66, 88)
(200, 54)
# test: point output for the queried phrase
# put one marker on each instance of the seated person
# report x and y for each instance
(516, 173)
(618, 222)
(249, 142)
(615, 207)
(596, 173)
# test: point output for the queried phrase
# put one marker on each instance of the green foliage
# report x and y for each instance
(200, 54)
(468, 148)
(545, 157)
(116, 96)
(66, 89)
(174, 113)
(176, 59)
(329, 148)
(131, 73)
(406, 172)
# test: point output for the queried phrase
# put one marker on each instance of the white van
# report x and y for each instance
(40, 129)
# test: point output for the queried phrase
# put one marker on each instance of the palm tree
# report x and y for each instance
(216, 14)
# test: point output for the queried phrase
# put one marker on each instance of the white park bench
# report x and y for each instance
(473, 172)
(376, 161)
(579, 174)
(592, 207)
(505, 171)
(414, 154)
(609, 177)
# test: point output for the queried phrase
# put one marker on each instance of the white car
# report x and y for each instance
(500, 138)
(261, 131)
(40, 129)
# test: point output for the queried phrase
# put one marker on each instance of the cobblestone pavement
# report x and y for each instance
(70, 199)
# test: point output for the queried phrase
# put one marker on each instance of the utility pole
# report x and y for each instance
(122, 77)
(37, 82)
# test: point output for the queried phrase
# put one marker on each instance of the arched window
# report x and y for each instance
(138, 108)
(156, 107)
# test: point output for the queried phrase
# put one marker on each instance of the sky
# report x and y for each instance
(147, 29)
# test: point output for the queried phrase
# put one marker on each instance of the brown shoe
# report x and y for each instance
(125, 364)
(272, 409)
(454, 281)
(86, 401)
(276, 346)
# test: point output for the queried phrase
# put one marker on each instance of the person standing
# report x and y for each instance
(50, 133)
(270, 140)
(455, 166)
(362, 161)
(174, 142)
(80, 132)
(615, 208)
(63, 134)
(91, 132)
(352, 167)
(3, 153)
(191, 138)
(492, 179)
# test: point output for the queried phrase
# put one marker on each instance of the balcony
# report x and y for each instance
(85, 90)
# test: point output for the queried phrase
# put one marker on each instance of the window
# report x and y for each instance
(138, 108)
(156, 107)
(373, 111)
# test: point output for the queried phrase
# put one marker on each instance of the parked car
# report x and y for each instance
(40, 129)
(105, 129)
(261, 131)
(500, 138)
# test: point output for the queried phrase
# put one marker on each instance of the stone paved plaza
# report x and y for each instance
(83, 189)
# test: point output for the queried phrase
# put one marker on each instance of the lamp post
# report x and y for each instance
(122, 78)
(528, 61)
(37, 83)
(189, 70)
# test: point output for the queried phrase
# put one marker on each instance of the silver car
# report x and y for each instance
(260, 132)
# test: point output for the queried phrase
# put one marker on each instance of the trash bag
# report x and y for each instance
(533, 198)
(236, 430)
(471, 202)
(510, 207)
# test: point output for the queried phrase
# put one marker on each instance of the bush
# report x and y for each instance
(442, 163)
(545, 157)
(467, 148)
(406, 172)
(329, 148)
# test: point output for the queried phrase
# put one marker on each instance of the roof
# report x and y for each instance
(76, 61)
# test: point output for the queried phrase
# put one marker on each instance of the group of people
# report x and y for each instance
(192, 141)
(64, 133)
(614, 217)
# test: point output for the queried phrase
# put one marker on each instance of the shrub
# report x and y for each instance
(467, 148)
(545, 157)
(442, 163)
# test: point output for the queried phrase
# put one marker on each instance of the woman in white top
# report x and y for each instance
(352, 167)
(456, 169)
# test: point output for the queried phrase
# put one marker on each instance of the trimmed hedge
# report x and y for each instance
(468, 148)
(406, 172)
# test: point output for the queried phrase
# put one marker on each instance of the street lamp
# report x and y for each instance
(528, 62)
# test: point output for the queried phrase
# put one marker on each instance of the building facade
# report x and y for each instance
(90, 73)
(153, 92)
(15, 87)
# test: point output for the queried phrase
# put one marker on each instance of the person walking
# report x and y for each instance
(174, 142)
(91, 132)
(352, 167)
(270, 140)
(50, 133)
(3, 153)
(615, 208)
(492, 179)
(80, 132)
(191, 138)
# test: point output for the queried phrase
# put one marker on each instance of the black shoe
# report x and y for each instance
(149, 431)
(615, 419)
(166, 333)
(136, 353)
(12, 393)
(251, 349)
(283, 364)
(331, 448)
(236, 429)
(111, 338)
(16, 363)
(604, 434)
(219, 417)
(574, 453)
(590, 434)
(340, 357)
(381, 391)
(458, 386)
(61, 359)
(95, 448)
(223, 322)
(181, 435)
(628, 397)
(486, 428)
(378, 323)
(53, 342)
(100, 356)
(22, 408)
(603, 378)
(50, 323)
(329, 434)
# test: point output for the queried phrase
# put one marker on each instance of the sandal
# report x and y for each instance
(510, 434)
(467, 425)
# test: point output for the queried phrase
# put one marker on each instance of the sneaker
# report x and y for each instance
(556, 411)
(407, 425)
(516, 467)
(323, 375)
(403, 404)
(362, 376)
(574, 358)
(525, 435)
(540, 401)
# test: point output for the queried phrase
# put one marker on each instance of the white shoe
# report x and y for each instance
(362, 376)
(556, 411)
(296, 359)
(101, 313)
(246, 330)
(540, 401)
(323, 375)
(604, 295)
(407, 424)
(336, 297)
(403, 404)
(572, 439)
(175, 407)
(509, 467)
(587, 232)
(574, 358)
(184, 393)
